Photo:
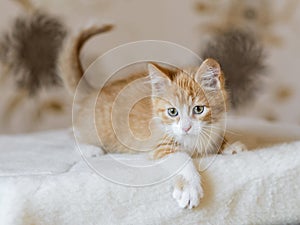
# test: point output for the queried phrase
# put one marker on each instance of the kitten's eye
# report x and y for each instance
(198, 109)
(172, 112)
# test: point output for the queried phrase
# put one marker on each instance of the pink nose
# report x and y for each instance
(186, 129)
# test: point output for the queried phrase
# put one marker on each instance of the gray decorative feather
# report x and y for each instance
(30, 50)
(242, 60)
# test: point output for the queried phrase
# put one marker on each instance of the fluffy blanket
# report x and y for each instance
(44, 180)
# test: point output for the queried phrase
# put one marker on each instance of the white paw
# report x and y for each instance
(235, 148)
(90, 151)
(188, 194)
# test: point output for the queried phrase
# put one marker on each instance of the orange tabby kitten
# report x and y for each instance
(182, 114)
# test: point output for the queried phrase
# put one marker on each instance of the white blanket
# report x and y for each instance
(44, 180)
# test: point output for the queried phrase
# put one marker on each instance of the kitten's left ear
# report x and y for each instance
(209, 75)
(159, 79)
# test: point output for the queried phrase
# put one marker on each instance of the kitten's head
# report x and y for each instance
(189, 103)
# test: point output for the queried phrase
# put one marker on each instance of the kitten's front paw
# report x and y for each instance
(234, 148)
(188, 194)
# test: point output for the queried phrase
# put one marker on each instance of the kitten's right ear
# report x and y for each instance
(159, 80)
(209, 75)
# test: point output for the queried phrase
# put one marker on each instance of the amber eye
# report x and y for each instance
(198, 109)
(172, 112)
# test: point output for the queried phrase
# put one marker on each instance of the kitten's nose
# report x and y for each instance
(187, 128)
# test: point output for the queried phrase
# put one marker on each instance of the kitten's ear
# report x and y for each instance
(209, 75)
(159, 79)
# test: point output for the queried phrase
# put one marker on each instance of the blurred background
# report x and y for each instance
(189, 23)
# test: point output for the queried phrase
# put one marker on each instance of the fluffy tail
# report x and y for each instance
(242, 60)
(70, 66)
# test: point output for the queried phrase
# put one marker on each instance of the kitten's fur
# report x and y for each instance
(177, 89)
(118, 127)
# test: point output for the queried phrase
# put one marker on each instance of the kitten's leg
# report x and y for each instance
(89, 151)
(187, 191)
(234, 148)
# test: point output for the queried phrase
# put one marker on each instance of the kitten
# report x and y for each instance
(183, 115)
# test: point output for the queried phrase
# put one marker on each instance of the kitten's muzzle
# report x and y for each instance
(187, 128)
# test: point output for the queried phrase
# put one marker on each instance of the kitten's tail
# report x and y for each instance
(27, 5)
(242, 60)
(71, 70)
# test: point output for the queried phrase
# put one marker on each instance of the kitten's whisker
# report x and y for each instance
(211, 131)
(213, 142)
(221, 128)
(202, 141)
